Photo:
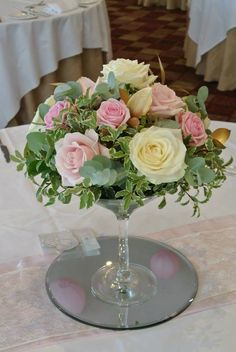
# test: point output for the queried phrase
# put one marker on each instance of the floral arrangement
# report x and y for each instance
(125, 136)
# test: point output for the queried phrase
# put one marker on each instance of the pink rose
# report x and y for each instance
(191, 124)
(165, 102)
(71, 153)
(113, 113)
(54, 111)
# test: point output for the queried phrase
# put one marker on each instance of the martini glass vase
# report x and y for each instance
(121, 282)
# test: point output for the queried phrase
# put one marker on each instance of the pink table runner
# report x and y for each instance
(29, 319)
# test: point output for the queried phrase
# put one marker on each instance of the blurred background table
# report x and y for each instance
(170, 4)
(34, 53)
(210, 41)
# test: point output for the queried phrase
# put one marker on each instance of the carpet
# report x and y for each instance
(144, 33)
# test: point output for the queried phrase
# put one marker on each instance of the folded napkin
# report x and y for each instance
(59, 6)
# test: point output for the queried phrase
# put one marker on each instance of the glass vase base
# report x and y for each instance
(68, 283)
(137, 285)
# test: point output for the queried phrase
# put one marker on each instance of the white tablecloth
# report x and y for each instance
(210, 20)
(36, 325)
(31, 49)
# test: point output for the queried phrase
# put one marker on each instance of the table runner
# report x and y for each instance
(29, 319)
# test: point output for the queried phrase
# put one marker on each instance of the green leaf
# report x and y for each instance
(35, 141)
(202, 97)
(39, 198)
(87, 182)
(116, 154)
(112, 177)
(87, 171)
(20, 167)
(185, 203)
(121, 175)
(102, 88)
(103, 160)
(196, 163)
(202, 94)
(19, 155)
(189, 178)
(43, 109)
(206, 175)
(65, 199)
(121, 194)
(124, 143)
(15, 159)
(56, 182)
(111, 80)
(62, 91)
(191, 103)
(51, 201)
(32, 169)
(229, 162)
(108, 90)
(76, 89)
(83, 201)
(96, 193)
(90, 199)
(129, 185)
(209, 144)
(101, 178)
(102, 171)
(167, 124)
(162, 203)
(87, 198)
(69, 89)
(127, 201)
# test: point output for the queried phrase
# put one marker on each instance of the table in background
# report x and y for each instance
(170, 4)
(54, 49)
(31, 323)
(210, 41)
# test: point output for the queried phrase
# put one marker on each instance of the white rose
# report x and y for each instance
(129, 71)
(159, 153)
(37, 119)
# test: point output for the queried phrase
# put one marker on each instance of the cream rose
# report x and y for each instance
(129, 71)
(140, 102)
(159, 153)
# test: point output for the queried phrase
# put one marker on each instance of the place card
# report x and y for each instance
(55, 242)
(87, 241)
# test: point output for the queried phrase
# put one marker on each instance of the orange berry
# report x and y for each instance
(133, 122)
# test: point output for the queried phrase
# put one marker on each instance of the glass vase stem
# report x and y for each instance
(123, 253)
(119, 281)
